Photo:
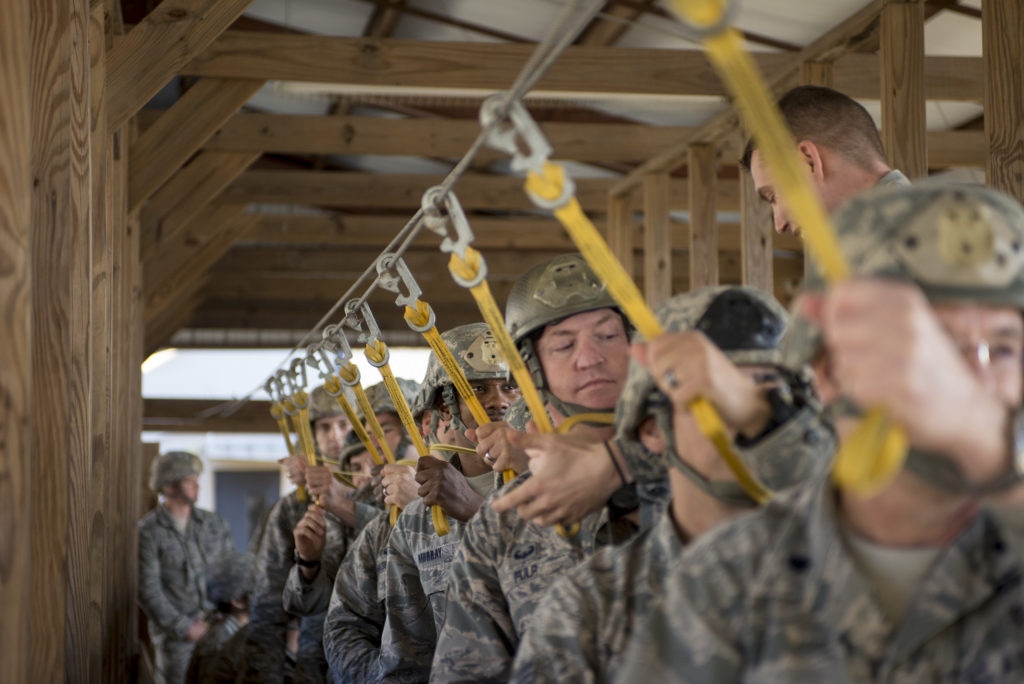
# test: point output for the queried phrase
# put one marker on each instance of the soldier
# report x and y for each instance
(417, 558)
(227, 588)
(177, 543)
(841, 146)
(916, 580)
(575, 342)
(583, 623)
(265, 659)
(356, 615)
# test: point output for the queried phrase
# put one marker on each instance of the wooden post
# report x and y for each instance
(15, 339)
(657, 239)
(902, 78)
(1002, 29)
(755, 237)
(817, 73)
(620, 230)
(703, 221)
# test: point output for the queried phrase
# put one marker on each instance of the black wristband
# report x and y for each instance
(618, 468)
(301, 562)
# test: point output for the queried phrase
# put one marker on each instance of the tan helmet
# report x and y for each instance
(958, 243)
(747, 325)
(479, 358)
(323, 405)
(380, 400)
(170, 468)
(546, 294)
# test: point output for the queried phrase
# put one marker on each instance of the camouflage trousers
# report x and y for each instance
(172, 656)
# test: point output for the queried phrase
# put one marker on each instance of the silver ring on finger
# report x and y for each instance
(487, 457)
(670, 379)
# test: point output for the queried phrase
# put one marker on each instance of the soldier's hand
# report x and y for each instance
(376, 477)
(494, 445)
(399, 482)
(294, 468)
(887, 348)
(322, 484)
(311, 534)
(686, 366)
(572, 477)
(196, 630)
(443, 485)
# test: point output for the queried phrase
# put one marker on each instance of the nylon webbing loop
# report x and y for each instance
(875, 452)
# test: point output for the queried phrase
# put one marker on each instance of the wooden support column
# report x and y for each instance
(15, 339)
(1002, 23)
(757, 263)
(902, 78)
(703, 221)
(620, 230)
(657, 239)
(182, 130)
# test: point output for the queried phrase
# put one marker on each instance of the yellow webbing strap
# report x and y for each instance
(349, 373)
(418, 317)
(874, 454)
(597, 253)
(277, 412)
(468, 269)
(440, 446)
(592, 418)
(377, 353)
(300, 421)
(332, 386)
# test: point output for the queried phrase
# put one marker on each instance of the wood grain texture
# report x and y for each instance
(142, 62)
(15, 339)
(756, 237)
(395, 192)
(817, 73)
(428, 137)
(902, 91)
(182, 130)
(51, 323)
(184, 196)
(621, 231)
(701, 160)
(1002, 24)
(657, 268)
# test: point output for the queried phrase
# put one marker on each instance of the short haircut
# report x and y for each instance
(831, 119)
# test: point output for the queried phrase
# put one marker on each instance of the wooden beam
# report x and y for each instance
(620, 231)
(817, 73)
(16, 456)
(902, 74)
(182, 415)
(404, 67)
(843, 38)
(756, 234)
(513, 233)
(142, 62)
(383, 19)
(175, 315)
(616, 20)
(428, 137)
(703, 229)
(182, 130)
(187, 194)
(357, 190)
(956, 148)
(657, 240)
(194, 263)
(1003, 48)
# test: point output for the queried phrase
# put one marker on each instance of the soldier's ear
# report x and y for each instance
(651, 436)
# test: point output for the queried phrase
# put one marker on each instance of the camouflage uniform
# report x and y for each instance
(355, 617)
(779, 595)
(201, 667)
(173, 567)
(496, 581)
(228, 580)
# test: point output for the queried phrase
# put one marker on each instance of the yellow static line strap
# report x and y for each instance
(600, 257)
(592, 418)
(452, 447)
(349, 374)
(345, 478)
(282, 423)
(377, 353)
(468, 269)
(873, 455)
(333, 387)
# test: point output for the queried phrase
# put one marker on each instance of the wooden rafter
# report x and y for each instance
(144, 60)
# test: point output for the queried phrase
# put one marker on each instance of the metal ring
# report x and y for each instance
(670, 379)
(487, 457)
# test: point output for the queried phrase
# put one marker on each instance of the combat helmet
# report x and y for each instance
(380, 400)
(546, 294)
(747, 325)
(479, 358)
(171, 467)
(958, 243)
(323, 405)
(229, 578)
